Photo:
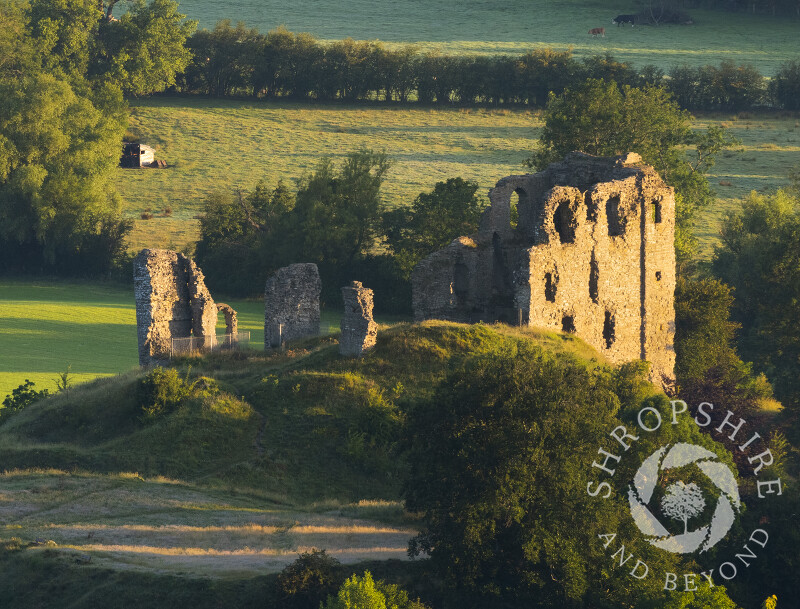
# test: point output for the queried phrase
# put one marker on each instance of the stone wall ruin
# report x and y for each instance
(291, 299)
(359, 330)
(592, 253)
(231, 319)
(172, 301)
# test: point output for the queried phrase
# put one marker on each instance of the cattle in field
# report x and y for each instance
(598, 31)
(622, 19)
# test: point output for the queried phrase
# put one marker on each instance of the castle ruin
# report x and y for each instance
(291, 304)
(172, 301)
(592, 253)
(359, 330)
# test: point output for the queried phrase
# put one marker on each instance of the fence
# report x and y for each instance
(203, 344)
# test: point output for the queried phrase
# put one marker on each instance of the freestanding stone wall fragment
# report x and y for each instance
(359, 331)
(204, 311)
(592, 253)
(291, 299)
(231, 319)
(172, 301)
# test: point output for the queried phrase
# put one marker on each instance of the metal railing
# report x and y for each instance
(190, 345)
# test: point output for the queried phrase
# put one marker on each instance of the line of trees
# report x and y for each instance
(237, 61)
(764, 7)
(64, 70)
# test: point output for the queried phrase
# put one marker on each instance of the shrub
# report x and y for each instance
(365, 593)
(21, 397)
(161, 390)
(308, 580)
(784, 88)
(358, 593)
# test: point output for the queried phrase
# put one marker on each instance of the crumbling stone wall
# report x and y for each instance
(592, 253)
(359, 330)
(291, 298)
(231, 319)
(172, 301)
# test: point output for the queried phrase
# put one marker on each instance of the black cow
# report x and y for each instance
(622, 19)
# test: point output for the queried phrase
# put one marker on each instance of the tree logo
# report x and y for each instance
(681, 501)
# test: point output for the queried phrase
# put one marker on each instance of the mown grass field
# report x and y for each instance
(516, 26)
(224, 144)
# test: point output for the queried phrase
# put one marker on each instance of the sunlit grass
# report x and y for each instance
(117, 518)
(225, 145)
(517, 26)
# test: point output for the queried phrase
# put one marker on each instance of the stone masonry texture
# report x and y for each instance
(359, 330)
(291, 299)
(592, 253)
(172, 301)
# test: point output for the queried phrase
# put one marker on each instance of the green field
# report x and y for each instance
(516, 26)
(225, 144)
(90, 327)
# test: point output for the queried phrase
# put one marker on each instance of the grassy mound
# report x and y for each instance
(295, 427)
(201, 503)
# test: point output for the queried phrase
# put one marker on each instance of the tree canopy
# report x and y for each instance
(433, 220)
(604, 119)
(760, 258)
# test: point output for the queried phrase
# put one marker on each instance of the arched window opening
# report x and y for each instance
(549, 287)
(615, 225)
(564, 222)
(568, 324)
(594, 279)
(591, 207)
(655, 206)
(609, 330)
(517, 197)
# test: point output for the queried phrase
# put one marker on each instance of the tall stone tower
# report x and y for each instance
(592, 253)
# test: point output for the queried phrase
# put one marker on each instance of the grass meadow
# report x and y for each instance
(227, 144)
(517, 26)
(159, 525)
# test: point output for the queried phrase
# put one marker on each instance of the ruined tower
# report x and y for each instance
(172, 301)
(592, 253)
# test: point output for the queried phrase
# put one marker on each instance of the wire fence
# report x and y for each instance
(203, 344)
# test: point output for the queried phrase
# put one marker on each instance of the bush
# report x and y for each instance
(358, 593)
(308, 580)
(21, 397)
(160, 391)
(365, 593)
(784, 88)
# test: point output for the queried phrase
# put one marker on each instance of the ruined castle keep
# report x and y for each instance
(172, 301)
(592, 253)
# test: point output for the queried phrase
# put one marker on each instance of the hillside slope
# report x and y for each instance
(292, 451)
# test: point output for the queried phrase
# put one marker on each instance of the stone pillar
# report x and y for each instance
(204, 311)
(291, 304)
(162, 303)
(359, 331)
(231, 320)
(172, 301)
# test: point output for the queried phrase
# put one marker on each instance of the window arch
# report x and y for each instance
(564, 222)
